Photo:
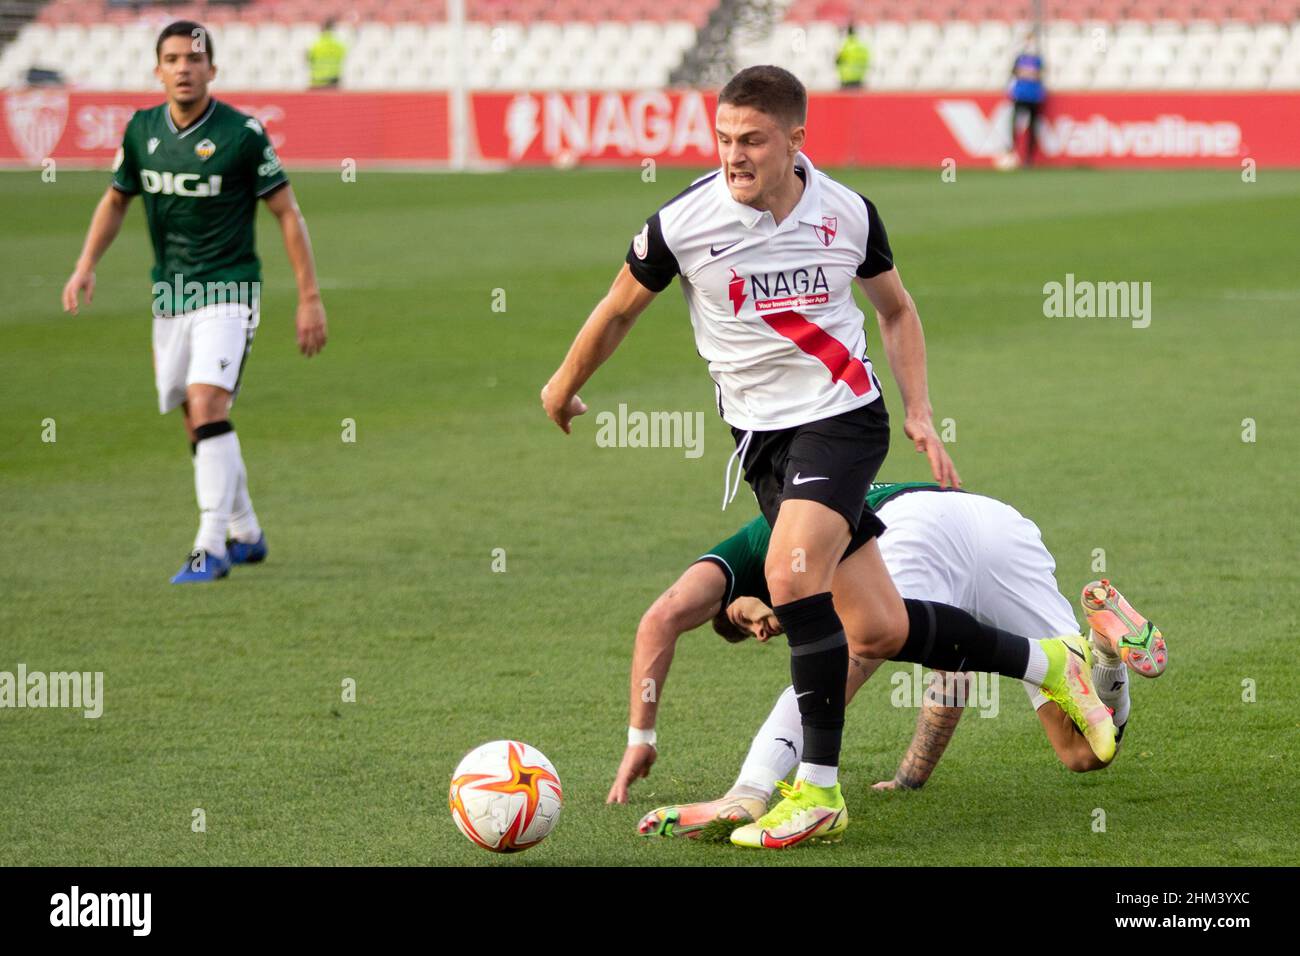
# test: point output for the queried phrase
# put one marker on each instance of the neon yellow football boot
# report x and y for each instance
(805, 814)
(1069, 684)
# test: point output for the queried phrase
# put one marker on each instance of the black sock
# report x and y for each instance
(819, 667)
(946, 638)
(212, 430)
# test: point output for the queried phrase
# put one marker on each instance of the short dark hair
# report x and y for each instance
(195, 32)
(728, 631)
(769, 89)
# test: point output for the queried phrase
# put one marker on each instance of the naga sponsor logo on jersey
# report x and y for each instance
(204, 149)
(736, 291)
(792, 289)
(179, 184)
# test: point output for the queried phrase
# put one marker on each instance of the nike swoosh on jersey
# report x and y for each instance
(796, 480)
(715, 251)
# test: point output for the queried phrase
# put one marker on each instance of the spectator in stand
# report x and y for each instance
(1027, 94)
(325, 58)
(852, 61)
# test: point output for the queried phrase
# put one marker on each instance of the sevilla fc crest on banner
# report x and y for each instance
(826, 231)
(36, 120)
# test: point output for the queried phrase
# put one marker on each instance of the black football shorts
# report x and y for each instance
(832, 461)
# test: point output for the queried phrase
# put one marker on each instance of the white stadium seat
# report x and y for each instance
(921, 54)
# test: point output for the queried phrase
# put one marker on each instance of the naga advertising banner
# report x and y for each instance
(676, 127)
(899, 129)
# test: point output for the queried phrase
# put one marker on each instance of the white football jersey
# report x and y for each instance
(978, 554)
(772, 305)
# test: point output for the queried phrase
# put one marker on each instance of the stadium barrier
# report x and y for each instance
(676, 128)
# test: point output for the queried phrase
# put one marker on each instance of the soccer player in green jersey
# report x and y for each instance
(966, 550)
(201, 167)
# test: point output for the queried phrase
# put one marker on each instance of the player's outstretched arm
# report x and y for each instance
(694, 599)
(310, 318)
(104, 227)
(904, 340)
(599, 336)
(935, 725)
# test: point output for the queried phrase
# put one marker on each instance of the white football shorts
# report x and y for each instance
(977, 554)
(208, 346)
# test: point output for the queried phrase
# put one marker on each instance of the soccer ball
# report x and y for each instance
(505, 796)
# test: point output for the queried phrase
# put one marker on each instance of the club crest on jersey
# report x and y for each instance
(826, 231)
(204, 149)
(153, 144)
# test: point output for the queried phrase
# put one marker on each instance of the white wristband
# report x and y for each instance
(637, 736)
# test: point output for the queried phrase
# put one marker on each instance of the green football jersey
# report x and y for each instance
(200, 185)
(743, 555)
(880, 492)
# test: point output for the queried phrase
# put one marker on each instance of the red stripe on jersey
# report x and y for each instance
(813, 340)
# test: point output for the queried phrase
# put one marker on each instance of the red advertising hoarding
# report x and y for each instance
(903, 129)
(321, 128)
(676, 128)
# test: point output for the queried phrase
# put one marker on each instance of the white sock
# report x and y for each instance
(1111, 681)
(243, 520)
(1101, 649)
(818, 775)
(776, 747)
(1036, 670)
(216, 476)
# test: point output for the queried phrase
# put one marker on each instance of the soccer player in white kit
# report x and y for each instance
(768, 251)
(969, 550)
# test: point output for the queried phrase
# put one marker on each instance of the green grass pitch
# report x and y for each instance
(228, 697)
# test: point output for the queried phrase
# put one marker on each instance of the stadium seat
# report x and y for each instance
(914, 44)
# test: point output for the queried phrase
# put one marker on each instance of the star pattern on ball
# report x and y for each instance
(528, 780)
